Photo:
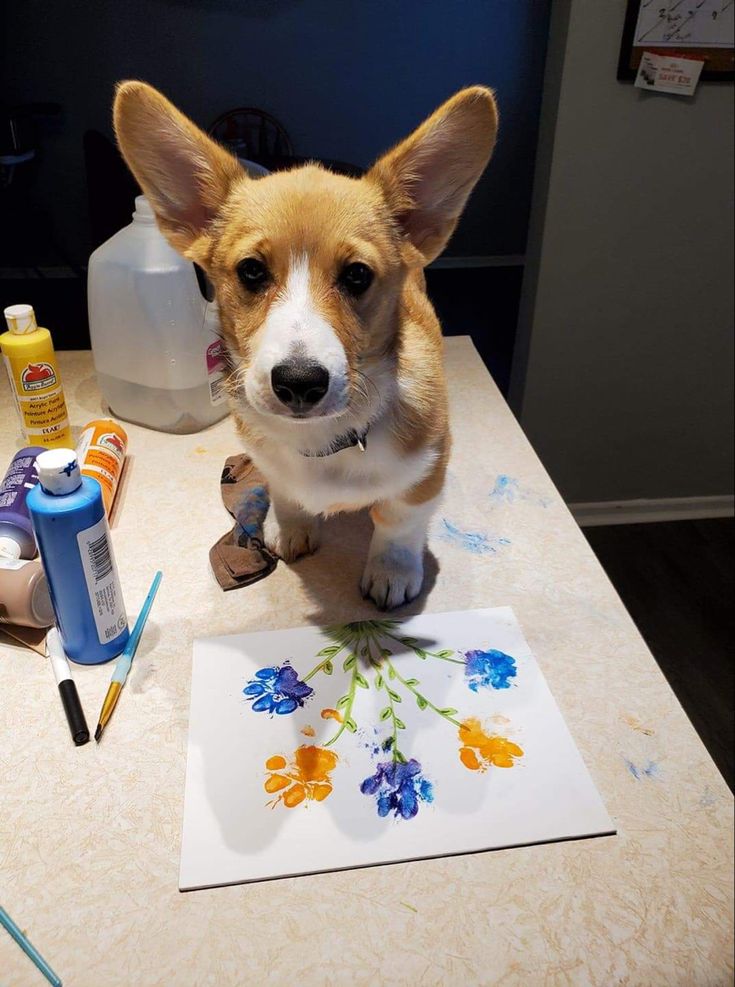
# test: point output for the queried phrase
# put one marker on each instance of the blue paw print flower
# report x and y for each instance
(398, 787)
(277, 690)
(489, 670)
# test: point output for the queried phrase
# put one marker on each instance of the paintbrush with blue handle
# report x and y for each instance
(122, 666)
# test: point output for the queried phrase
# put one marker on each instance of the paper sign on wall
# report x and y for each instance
(667, 74)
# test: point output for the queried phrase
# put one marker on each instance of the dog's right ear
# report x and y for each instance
(185, 174)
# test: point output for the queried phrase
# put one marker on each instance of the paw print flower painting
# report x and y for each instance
(307, 778)
(361, 657)
(379, 741)
(398, 787)
(480, 750)
(277, 690)
(489, 669)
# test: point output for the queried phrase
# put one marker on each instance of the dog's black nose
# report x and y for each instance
(299, 384)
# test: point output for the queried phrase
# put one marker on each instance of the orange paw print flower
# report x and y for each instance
(479, 750)
(306, 778)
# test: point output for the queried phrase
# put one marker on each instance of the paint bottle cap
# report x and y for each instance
(21, 319)
(9, 548)
(58, 471)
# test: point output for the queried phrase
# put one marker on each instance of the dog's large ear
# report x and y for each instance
(428, 177)
(185, 175)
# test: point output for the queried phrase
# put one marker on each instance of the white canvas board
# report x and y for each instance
(440, 736)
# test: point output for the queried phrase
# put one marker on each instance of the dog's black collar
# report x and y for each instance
(346, 441)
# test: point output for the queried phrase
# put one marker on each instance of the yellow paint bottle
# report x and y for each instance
(35, 380)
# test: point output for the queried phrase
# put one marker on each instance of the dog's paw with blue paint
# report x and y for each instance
(393, 578)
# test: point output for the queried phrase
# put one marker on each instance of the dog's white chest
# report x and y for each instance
(347, 480)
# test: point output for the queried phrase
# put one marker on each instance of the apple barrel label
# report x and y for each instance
(40, 398)
(37, 376)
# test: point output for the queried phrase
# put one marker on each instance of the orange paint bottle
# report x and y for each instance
(101, 455)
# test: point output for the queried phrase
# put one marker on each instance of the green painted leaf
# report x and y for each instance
(350, 725)
(342, 702)
(420, 653)
(385, 713)
(361, 681)
(448, 711)
(329, 652)
(328, 668)
(400, 724)
(399, 757)
(364, 651)
(394, 696)
(421, 702)
(412, 682)
(385, 653)
(349, 662)
(391, 672)
(378, 681)
(444, 654)
(410, 641)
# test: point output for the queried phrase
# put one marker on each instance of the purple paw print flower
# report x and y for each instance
(398, 788)
(489, 669)
(277, 690)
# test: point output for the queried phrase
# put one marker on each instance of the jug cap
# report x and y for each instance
(143, 210)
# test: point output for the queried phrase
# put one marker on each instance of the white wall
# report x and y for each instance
(624, 371)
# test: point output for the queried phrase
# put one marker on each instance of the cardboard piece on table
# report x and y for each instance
(32, 637)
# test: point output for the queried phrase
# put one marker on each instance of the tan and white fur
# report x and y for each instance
(329, 332)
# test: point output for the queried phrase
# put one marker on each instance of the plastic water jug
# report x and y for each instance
(155, 341)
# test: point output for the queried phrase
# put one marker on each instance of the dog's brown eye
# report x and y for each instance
(356, 278)
(253, 273)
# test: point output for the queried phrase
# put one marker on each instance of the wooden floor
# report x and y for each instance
(677, 581)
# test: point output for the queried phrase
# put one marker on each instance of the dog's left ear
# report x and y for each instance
(427, 178)
(183, 172)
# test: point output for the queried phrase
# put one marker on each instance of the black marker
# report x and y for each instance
(67, 689)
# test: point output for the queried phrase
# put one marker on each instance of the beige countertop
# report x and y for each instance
(89, 837)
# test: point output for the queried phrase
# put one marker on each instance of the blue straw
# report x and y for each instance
(28, 948)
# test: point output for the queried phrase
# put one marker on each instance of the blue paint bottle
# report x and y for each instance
(73, 539)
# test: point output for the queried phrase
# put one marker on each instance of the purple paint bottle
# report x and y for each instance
(16, 530)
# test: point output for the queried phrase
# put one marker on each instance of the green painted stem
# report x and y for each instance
(320, 666)
(420, 696)
(396, 753)
(454, 661)
(346, 712)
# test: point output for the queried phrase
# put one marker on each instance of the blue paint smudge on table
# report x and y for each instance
(475, 542)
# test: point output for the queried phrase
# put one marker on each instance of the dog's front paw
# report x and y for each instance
(292, 537)
(393, 577)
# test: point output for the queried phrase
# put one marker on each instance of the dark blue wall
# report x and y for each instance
(346, 79)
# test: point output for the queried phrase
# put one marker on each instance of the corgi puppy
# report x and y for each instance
(336, 383)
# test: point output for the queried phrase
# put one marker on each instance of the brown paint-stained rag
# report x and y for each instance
(240, 557)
